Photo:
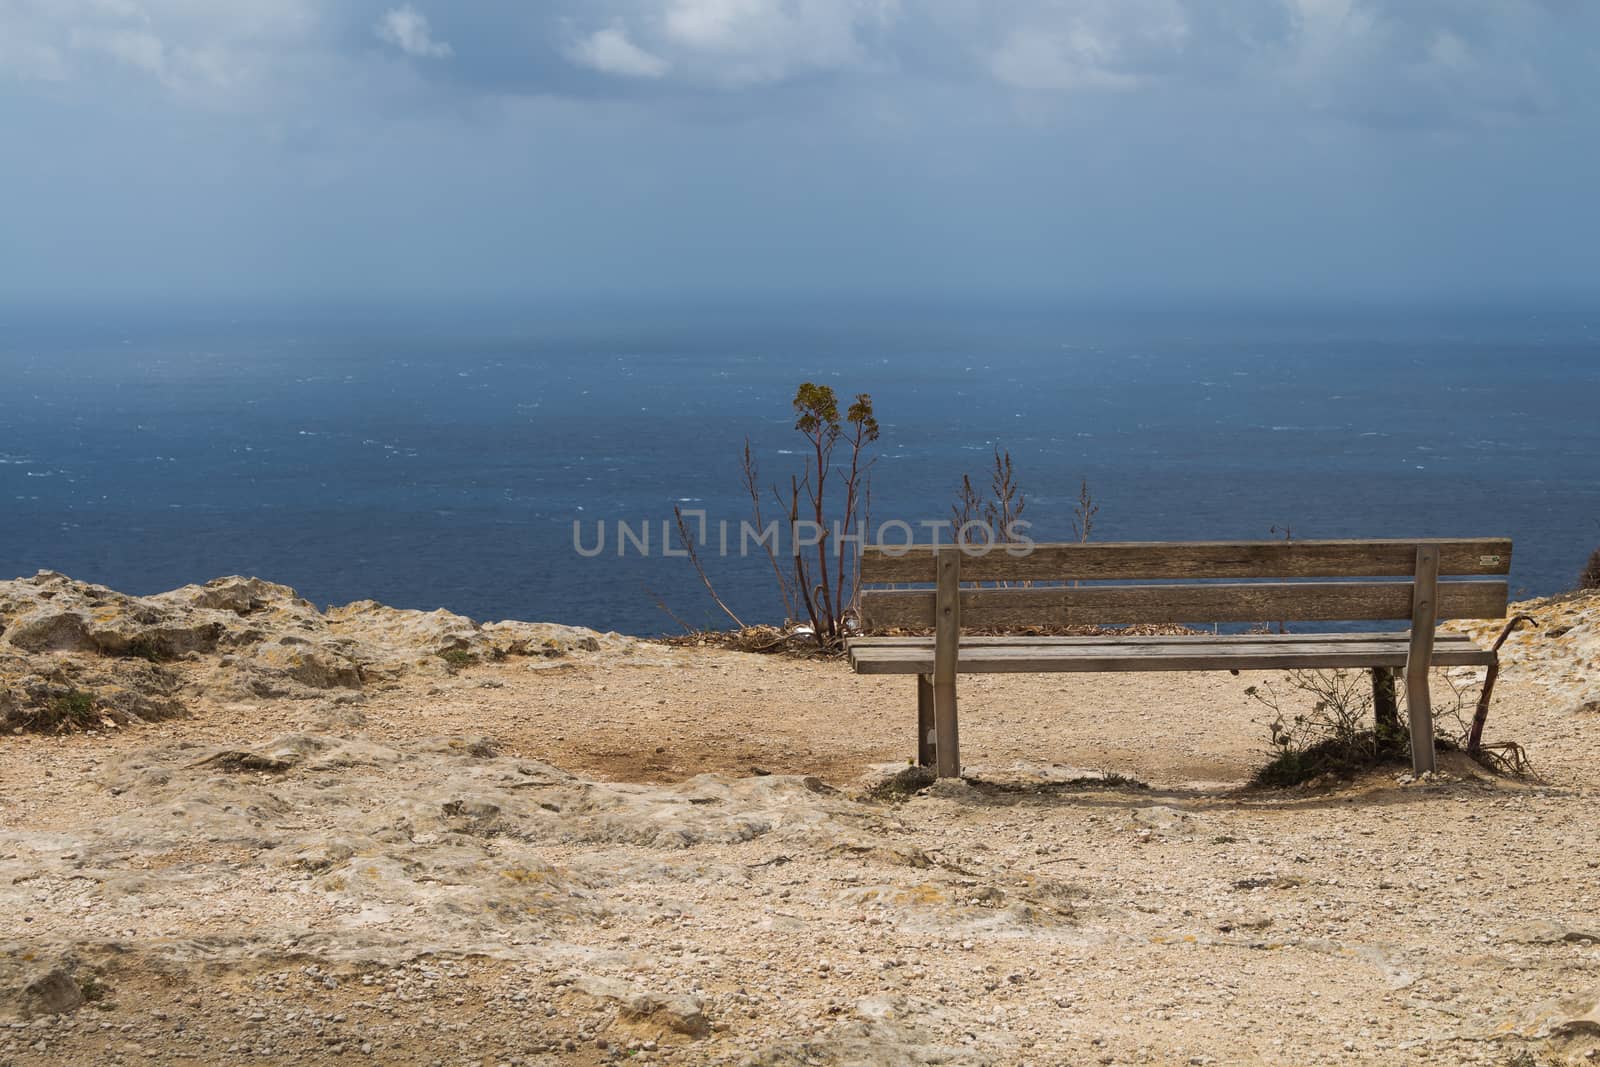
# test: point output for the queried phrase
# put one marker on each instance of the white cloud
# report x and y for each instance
(206, 53)
(739, 42)
(1088, 44)
(1328, 35)
(1420, 63)
(610, 52)
(407, 29)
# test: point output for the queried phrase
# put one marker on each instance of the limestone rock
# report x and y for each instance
(1570, 1016)
(242, 596)
(1545, 932)
(78, 656)
(427, 846)
(300, 662)
(1582, 1016)
(64, 694)
(1561, 652)
(1163, 819)
(891, 781)
(864, 1044)
(31, 986)
(679, 1013)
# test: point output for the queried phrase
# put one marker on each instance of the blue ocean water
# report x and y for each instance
(440, 459)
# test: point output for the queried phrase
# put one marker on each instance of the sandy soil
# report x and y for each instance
(706, 880)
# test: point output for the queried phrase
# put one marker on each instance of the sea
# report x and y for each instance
(469, 457)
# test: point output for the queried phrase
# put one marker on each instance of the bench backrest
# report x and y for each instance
(1187, 582)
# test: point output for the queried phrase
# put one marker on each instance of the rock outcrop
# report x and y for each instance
(77, 656)
(32, 985)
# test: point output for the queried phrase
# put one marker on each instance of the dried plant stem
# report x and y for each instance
(694, 558)
(668, 612)
(752, 486)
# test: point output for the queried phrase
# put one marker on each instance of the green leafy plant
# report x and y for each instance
(71, 710)
(457, 658)
(94, 990)
(817, 418)
(832, 493)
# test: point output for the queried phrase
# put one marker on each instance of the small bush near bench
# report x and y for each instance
(1340, 734)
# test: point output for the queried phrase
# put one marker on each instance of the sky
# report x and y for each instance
(347, 149)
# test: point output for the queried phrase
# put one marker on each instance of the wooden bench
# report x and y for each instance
(1061, 585)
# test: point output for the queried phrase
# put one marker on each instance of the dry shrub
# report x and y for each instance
(1590, 578)
(1339, 734)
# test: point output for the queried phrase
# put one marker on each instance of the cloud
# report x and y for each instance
(407, 29)
(1420, 64)
(610, 52)
(1427, 63)
(737, 43)
(204, 54)
(1413, 65)
(1089, 46)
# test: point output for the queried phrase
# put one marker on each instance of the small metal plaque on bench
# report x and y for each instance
(1488, 561)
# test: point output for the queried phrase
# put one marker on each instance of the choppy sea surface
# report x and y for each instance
(441, 459)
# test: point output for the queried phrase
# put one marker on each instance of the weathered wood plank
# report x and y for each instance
(1114, 605)
(946, 650)
(1335, 649)
(1222, 646)
(925, 718)
(1147, 560)
(1112, 658)
(1427, 597)
(1400, 642)
(972, 641)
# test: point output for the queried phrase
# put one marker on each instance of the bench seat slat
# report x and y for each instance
(1120, 640)
(1162, 646)
(1185, 654)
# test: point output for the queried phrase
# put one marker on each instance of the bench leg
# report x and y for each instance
(1419, 707)
(1424, 614)
(947, 742)
(1385, 706)
(946, 653)
(924, 720)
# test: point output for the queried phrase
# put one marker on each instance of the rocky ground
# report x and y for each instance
(234, 828)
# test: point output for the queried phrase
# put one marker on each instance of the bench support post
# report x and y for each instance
(925, 720)
(946, 641)
(1385, 706)
(1424, 615)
